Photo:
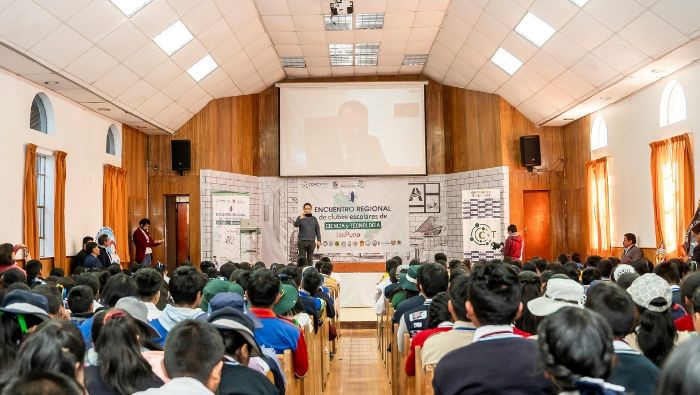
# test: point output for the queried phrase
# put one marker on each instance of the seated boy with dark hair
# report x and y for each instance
(80, 302)
(193, 360)
(633, 370)
(263, 293)
(498, 361)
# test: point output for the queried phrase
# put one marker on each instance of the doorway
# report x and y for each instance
(537, 227)
(177, 230)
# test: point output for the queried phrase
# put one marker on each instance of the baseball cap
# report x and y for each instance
(214, 287)
(408, 280)
(649, 287)
(235, 301)
(229, 319)
(622, 269)
(19, 301)
(289, 299)
(560, 293)
(138, 311)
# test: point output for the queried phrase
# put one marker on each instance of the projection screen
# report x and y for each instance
(352, 129)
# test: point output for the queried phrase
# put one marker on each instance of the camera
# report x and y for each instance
(496, 246)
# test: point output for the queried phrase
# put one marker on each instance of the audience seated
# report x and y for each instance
(21, 311)
(439, 320)
(407, 290)
(576, 349)
(498, 361)
(80, 303)
(148, 285)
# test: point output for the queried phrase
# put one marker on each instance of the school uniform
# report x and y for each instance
(633, 370)
(438, 345)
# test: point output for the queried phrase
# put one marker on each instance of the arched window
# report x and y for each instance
(673, 106)
(599, 133)
(41, 114)
(113, 140)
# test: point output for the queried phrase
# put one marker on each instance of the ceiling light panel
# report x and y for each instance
(202, 68)
(535, 29)
(369, 21)
(338, 22)
(414, 60)
(130, 7)
(293, 61)
(506, 61)
(340, 54)
(173, 38)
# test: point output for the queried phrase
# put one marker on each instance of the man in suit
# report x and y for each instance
(92, 260)
(79, 258)
(106, 257)
(143, 243)
(631, 252)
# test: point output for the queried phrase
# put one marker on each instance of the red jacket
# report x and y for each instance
(513, 246)
(418, 340)
(141, 241)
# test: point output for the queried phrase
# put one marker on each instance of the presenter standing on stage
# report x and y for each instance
(144, 243)
(309, 234)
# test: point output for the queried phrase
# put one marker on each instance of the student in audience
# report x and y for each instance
(194, 353)
(681, 372)
(436, 346)
(91, 280)
(439, 320)
(79, 258)
(606, 267)
(328, 280)
(214, 287)
(80, 303)
(588, 275)
(690, 284)
(55, 347)
(632, 370)
(13, 276)
(668, 270)
(148, 285)
(385, 280)
(384, 288)
(655, 335)
(412, 299)
(120, 369)
(576, 349)
(54, 299)
(33, 270)
(626, 280)
(263, 293)
(432, 279)
(631, 252)
(531, 288)
(43, 383)
(117, 287)
(311, 284)
(560, 293)
(21, 311)
(186, 286)
(91, 259)
(512, 365)
(236, 330)
(620, 270)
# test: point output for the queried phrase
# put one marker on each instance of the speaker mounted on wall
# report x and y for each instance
(530, 151)
(180, 155)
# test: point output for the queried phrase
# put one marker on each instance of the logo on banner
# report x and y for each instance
(415, 194)
(482, 234)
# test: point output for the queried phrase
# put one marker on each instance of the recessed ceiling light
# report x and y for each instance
(605, 98)
(50, 82)
(130, 7)
(341, 54)
(534, 29)
(293, 61)
(173, 38)
(103, 109)
(506, 61)
(414, 60)
(579, 3)
(369, 21)
(202, 68)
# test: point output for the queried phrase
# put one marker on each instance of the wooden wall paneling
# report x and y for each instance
(435, 129)
(576, 153)
(267, 154)
(135, 161)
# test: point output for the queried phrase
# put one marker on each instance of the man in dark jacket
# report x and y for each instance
(309, 233)
(79, 258)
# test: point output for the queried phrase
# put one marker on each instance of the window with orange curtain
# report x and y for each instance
(114, 209)
(672, 184)
(598, 207)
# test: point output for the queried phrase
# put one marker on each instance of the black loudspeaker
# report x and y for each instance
(530, 151)
(180, 155)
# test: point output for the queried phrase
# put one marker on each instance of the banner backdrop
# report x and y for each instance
(358, 215)
(227, 211)
(481, 223)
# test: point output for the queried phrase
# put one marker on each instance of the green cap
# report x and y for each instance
(408, 280)
(214, 287)
(289, 299)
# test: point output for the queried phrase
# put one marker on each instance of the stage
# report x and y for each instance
(358, 282)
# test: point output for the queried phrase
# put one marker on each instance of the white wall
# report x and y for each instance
(633, 123)
(79, 132)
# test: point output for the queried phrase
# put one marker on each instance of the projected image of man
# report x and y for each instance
(309, 233)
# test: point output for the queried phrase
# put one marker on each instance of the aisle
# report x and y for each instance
(357, 368)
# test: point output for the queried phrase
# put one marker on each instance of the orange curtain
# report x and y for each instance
(598, 207)
(59, 219)
(31, 223)
(672, 184)
(114, 209)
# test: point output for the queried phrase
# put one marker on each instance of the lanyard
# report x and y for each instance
(498, 335)
(464, 329)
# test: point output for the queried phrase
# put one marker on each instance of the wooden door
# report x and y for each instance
(182, 211)
(537, 227)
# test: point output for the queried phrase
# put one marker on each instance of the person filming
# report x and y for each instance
(514, 244)
(309, 233)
